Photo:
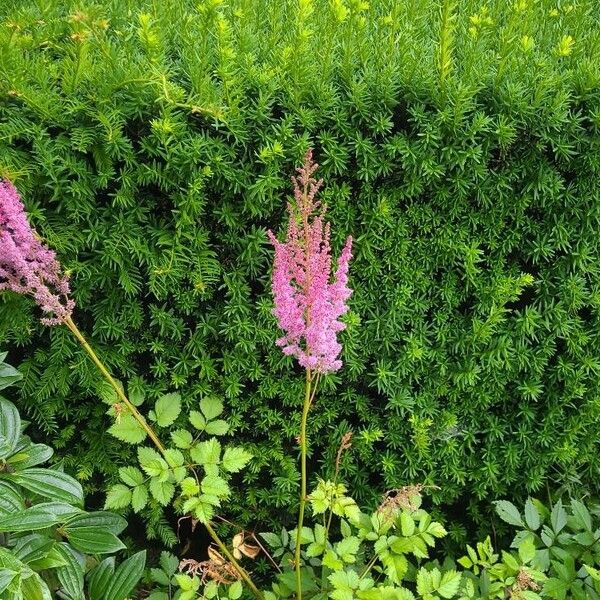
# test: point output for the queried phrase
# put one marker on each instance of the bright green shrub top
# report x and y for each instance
(153, 144)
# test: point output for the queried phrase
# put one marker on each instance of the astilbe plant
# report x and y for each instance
(308, 304)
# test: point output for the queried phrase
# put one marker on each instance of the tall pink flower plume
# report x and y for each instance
(26, 265)
(308, 304)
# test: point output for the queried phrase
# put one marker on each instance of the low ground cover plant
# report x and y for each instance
(49, 545)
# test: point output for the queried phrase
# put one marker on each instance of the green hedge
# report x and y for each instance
(153, 144)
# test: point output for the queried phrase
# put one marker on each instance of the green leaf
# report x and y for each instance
(8, 375)
(449, 584)
(10, 499)
(169, 563)
(407, 524)
(235, 590)
(558, 517)
(189, 486)
(174, 457)
(31, 456)
(556, 588)
(235, 459)
(126, 577)
(100, 577)
(92, 540)
(211, 407)
(10, 427)
(213, 485)
(532, 516)
(347, 548)
(527, 550)
(131, 476)
(139, 498)
(6, 578)
(162, 491)
(70, 575)
(182, 438)
(53, 485)
(127, 429)
(207, 453)
(167, 409)
(582, 514)
(204, 510)
(151, 461)
(31, 519)
(508, 512)
(218, 427)
(103, 520)
(118, 497)
(197, 420)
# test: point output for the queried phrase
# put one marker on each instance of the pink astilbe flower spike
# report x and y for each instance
(27, 266)
(308, 304)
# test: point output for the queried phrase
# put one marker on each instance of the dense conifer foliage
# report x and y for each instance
(152, 143)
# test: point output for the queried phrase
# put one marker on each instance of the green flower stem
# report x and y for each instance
(106, 374)
(303, 447)
(241, 571)
(148, 429)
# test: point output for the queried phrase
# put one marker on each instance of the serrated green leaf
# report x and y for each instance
(118, 497)
(127, 429)
(558, 517)
(235, 590)
(449, 584)
(162, 491)
(167, 409)
(213, 485)
(169, 563)
(152, 462)
(207, 453)
(235, 459)
(218, 427)
(197, 420)
(139, 498)
(508, 512)
(211, 407)
(131, 476)
(532, 516)
(182, 438)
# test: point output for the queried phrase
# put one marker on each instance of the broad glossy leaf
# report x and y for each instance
(70, 575)
(32, 455)
(10, 427)
(92, 540)
(126, 577)
(31, 519)
(100, 577)
(10, 499)
(50, 484)
(102, 520)
(6, 578)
